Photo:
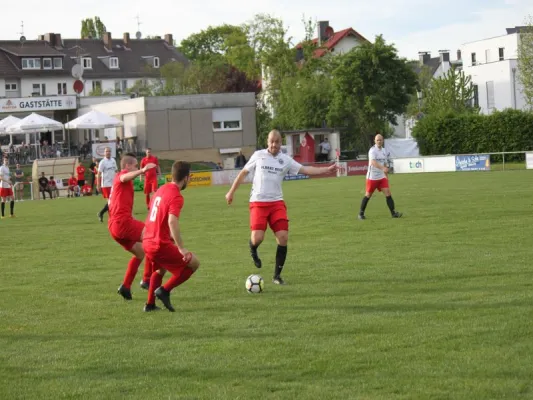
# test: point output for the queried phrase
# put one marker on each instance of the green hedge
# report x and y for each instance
(508, 130)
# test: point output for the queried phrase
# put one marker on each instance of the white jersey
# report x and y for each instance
(6, 176)
(108, 168)
(269, 173)
(382, 157)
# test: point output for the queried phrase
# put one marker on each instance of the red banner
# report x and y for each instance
(357, 167)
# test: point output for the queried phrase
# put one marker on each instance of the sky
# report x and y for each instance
(411, 25)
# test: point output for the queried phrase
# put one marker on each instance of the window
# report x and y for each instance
(501, 55)
(58, 63)
(87, 63)
(124, 85)
(227, 119)
(31, 63)
(487, 56)
(39, 89)
(97, 85)
(476, 96)
(11, 87)
(62, 88)
(113, 62)
(47, 63)
(296, 145)
(156, 62)
(490, 95)
(473, 56)
(117, 86)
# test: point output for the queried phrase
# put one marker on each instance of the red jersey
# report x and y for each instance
(151, 174)
(72, 181)
(52, 183)
(80, 170)
(121, 198)
(167, 200)
(86, 189)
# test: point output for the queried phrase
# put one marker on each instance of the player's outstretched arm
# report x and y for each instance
(236, 183)
(309, 170)
(134, 174)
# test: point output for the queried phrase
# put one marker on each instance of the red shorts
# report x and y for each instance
(166, 256)
(126, 232)
(273, 213)
(379, 184)
(106, 191)
(150, 186)
(6, 192)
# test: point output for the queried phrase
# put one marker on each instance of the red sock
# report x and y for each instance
(133, 266)
(176, 280)
(148, 200)
(155, 282)
(148, 269)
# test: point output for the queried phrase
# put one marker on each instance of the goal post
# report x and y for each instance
(59, 168)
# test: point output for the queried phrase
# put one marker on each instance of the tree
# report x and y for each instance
(371, 86)
(525, 60)
(452, 92)
(92, 28)
(424, 78)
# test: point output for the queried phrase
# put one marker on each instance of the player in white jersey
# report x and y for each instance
(377, 178)
(107, 169)
(266, 201)
(6, 188)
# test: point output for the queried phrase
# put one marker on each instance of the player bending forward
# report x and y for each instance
(162, 241)
(126, 230)
(376, 177)
(266, 201)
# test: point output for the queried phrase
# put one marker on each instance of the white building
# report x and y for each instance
(493, 65)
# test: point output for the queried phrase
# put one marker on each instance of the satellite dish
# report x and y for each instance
(77, 71)
(138, 34)
(22, 39)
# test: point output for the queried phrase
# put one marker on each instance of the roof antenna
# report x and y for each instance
(21, 33)
(138, 34)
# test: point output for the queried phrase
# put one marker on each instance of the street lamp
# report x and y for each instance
(419, 96)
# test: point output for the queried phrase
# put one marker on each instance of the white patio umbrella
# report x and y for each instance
(94, 120)
(35, 123)
(7, 122)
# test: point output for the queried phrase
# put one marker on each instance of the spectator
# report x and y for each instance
(325, 148)
(53, 187)
(73, 189)
(240, 161)
(19, 183)
(80, 170)
(44, 186)
(94, 173)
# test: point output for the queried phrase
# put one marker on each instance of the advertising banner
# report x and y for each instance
(226, 177)
(478, 162)
(99, 149)
(529, 160)
(408, 165)
(200, 179)
(357, 168)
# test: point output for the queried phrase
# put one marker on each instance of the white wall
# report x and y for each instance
(107, 84)
(2, 87)
(345, 45)
(117, 107)
(508, 42)
(26, 85)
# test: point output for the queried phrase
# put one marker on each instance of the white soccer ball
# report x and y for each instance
(255, 283)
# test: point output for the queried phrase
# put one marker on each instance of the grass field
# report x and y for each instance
(435, 305)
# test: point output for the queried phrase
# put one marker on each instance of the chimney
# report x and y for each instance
(126, 39)
(50, 38)
(58, 41)
(424, 57)
(321, 32)
(108, 43)
(444, 56)
(169, 39)
(459, 55)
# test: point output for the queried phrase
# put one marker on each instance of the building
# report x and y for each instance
(205, 127)
(493, 65)
(42, 67)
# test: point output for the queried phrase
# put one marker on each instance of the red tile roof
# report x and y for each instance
(334, 40)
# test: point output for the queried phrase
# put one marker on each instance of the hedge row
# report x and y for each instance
(508, 130)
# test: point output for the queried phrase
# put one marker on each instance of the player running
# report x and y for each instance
(150, 179)
(106, 175)
(162, 241)
(6, 189)
(126, 230)
(376, 177)
(266, 200)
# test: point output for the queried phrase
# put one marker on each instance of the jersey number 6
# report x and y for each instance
(155, 207)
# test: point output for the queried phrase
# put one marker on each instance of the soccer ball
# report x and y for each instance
(255, 284)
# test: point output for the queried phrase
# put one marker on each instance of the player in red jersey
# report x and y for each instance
(162, 241)
(126, 230)
(80, 171)
(150, 178)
